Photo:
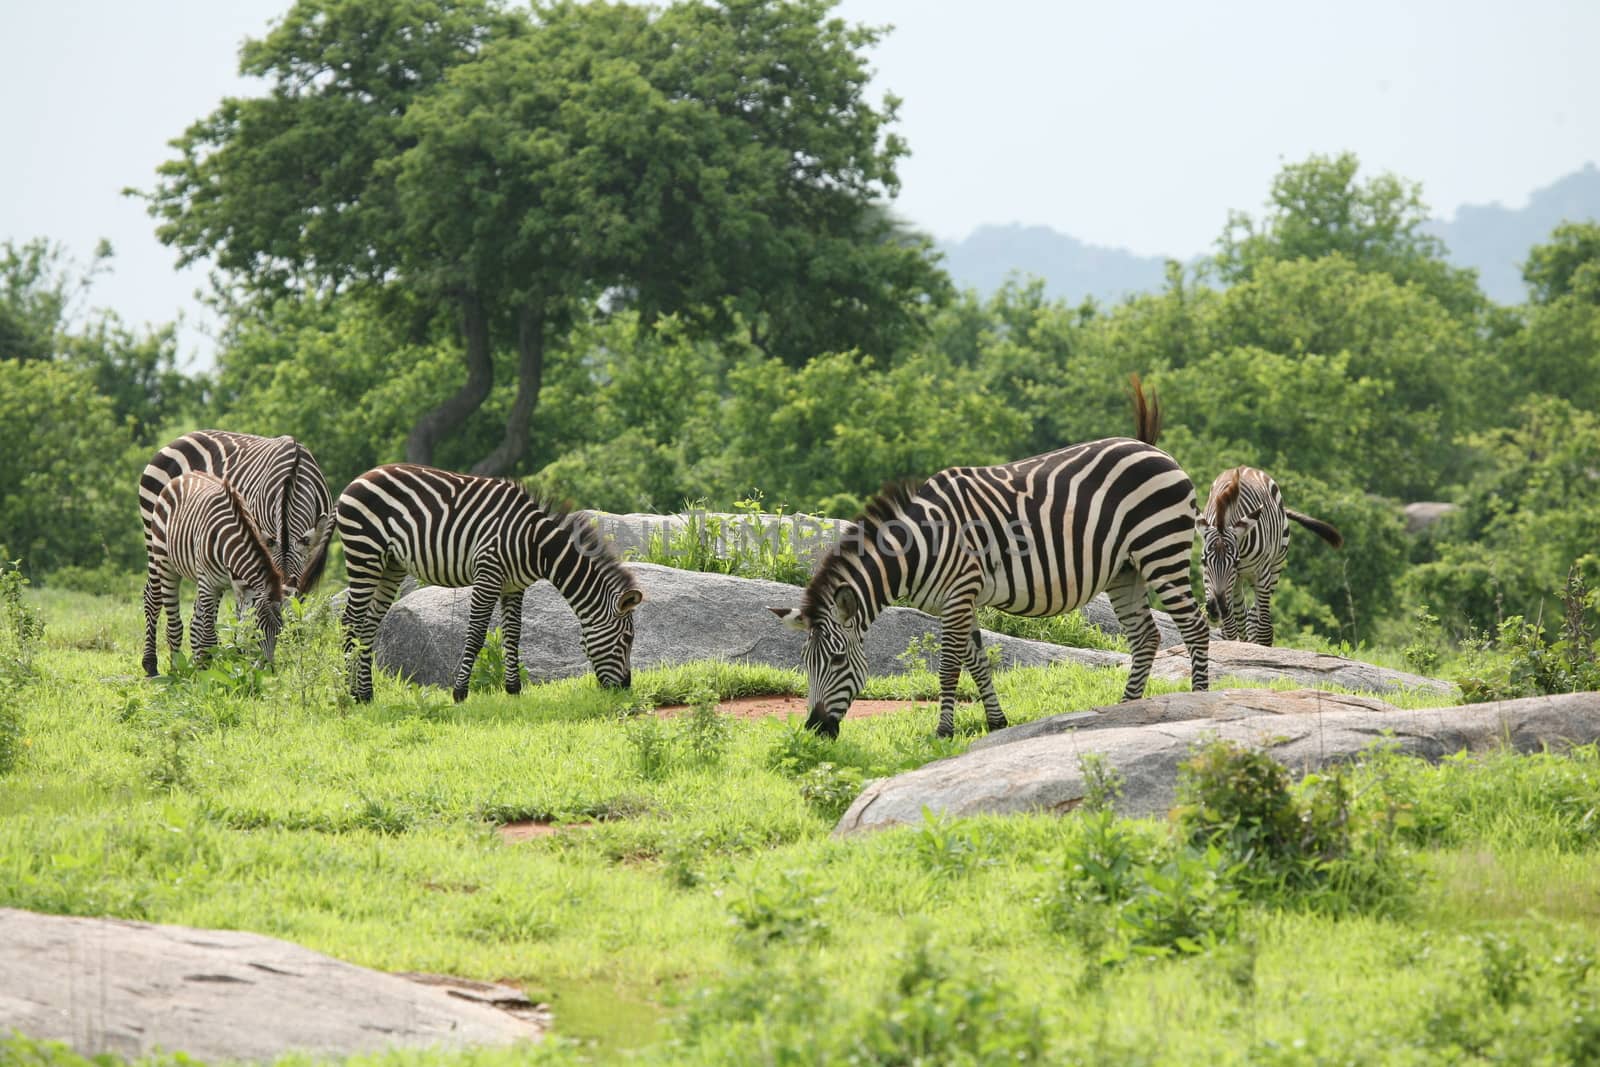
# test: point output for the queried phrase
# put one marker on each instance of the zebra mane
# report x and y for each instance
(889, 504)
(580, 526)
(254, 539)
(1225, 497)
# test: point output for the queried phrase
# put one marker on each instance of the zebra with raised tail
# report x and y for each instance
(1037, 537)
(461, 530)
(200, 528)
(280, 482)
(1245, 530)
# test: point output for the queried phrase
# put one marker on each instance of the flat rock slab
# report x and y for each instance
(686, 615)
(1259, 663)
(131, 988)
(1039, 767)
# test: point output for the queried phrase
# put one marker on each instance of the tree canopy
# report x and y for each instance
(719, 161)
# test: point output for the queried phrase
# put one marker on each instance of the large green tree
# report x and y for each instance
(718, 160)
(1319, 208)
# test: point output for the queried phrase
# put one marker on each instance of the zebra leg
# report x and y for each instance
(1128, 598)
(955, 639)
(203, 623)
(152, 617)
(978, 667)
(1177, 600)
(511, 638)
(361, 620)
(169, 604)
(484, 595)
(1258, 626)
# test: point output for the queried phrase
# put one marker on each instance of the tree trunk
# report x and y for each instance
(448, 416)
(530, 377)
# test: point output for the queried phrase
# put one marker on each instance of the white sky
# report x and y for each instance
(1135, 124)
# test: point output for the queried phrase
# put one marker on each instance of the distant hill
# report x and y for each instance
(1492, 238)
(1070, 268)
(1496, 239)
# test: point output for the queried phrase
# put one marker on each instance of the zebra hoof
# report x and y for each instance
(513, 689)
(459, 694)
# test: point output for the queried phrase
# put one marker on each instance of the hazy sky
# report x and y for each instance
(1131, 124)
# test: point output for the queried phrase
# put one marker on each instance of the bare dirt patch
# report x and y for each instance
(528, 829)
(782, 707)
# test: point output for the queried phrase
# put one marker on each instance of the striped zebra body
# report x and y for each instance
(1036, 537)
(200, 528)
(1245, 530)
(279, 480)
(463, 530)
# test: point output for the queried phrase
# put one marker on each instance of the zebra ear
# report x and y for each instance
(790, 616)
(628, 601)
(845, 606)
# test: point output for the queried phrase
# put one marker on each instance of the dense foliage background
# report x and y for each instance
(643, 258)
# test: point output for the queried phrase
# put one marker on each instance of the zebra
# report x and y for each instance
(279, 480)
(1036, 537)
(1245, 534)
(200, 528)
(487, 533)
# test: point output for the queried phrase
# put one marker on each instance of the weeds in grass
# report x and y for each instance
(949, 847)
(705, 730)
(940, 1010)
(489, 669)
(748, 544)
(1102, 782)
(830, 789)
(1069, 628)
(309, 660)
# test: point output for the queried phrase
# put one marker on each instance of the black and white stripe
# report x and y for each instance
(1036, 537)
(280, 482)
(459, 530)
(201, 529)
(1246, 542)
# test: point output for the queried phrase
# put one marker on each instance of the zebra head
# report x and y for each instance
(1219, 556)
(835, 656)
(608, 637)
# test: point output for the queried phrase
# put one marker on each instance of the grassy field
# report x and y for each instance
(694, 908)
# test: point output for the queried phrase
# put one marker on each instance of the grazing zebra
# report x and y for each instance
(279, 480)
(462, 530)
(201, 528)
(1246, 533)
(1036, 537)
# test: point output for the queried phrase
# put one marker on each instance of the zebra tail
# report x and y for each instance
(1322, 529)
(1146, 412)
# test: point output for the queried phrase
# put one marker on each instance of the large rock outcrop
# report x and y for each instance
(686, 615)
(810, 536)
(1038, 766)
(689, 615)
(1259, 663)
(131, 988)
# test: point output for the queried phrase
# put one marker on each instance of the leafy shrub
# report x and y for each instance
(1522, 661)
(788, 909)
(944, 1011)
(1303, 844)
(1102, 782)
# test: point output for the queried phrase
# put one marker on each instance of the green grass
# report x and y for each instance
(697, 909)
